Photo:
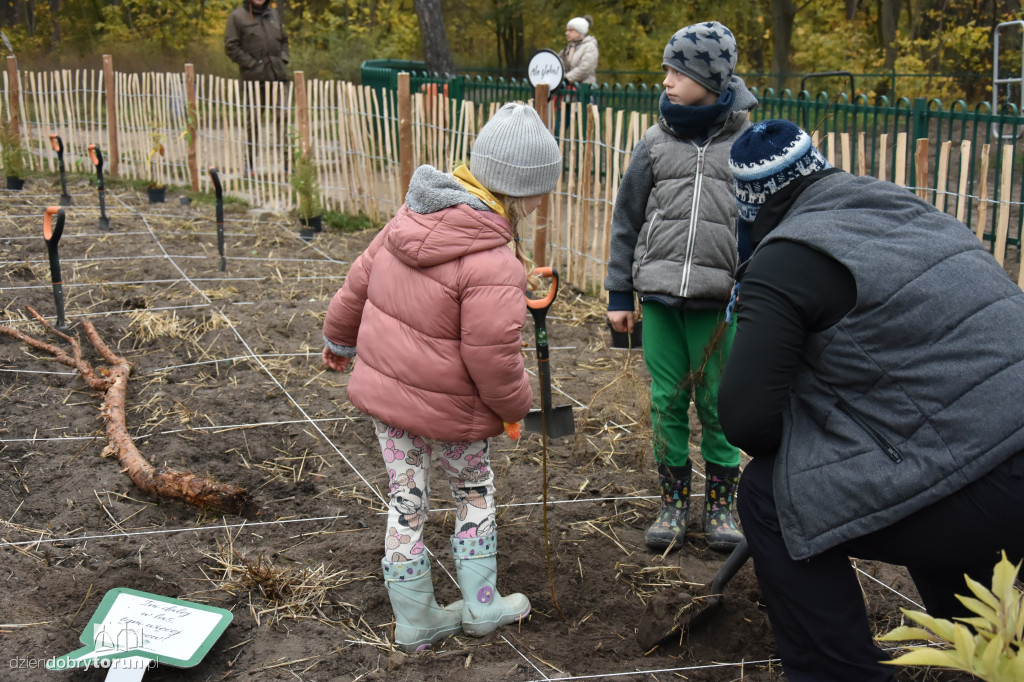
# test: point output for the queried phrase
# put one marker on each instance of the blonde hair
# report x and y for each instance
(515, 211)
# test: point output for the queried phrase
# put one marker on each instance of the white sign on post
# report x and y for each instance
(132, 630)
(545, 67)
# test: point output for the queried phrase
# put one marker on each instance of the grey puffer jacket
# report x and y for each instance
(255, 40)
(916, 392)
(674, 225)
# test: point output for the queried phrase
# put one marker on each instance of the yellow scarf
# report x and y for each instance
(474, 187)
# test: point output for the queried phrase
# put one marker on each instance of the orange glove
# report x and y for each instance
(512, 430)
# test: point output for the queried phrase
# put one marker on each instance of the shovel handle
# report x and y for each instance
(51, 234)
(96, 154)
(544, 303)
(219, 204)
(57, 143)
(215, 178)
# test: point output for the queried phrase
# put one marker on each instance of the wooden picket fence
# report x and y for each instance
(367, 142)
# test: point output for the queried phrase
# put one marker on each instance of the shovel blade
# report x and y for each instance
(559, 422)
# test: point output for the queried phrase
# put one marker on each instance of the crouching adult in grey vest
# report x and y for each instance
(877, 381)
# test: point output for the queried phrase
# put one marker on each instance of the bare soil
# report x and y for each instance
(227, 382)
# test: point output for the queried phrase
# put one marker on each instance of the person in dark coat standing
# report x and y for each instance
(254, 38)
(876, 381)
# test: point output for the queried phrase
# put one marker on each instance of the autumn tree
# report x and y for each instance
(436, 52)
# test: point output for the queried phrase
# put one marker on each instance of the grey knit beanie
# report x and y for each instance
(515, 155)
(705, 52)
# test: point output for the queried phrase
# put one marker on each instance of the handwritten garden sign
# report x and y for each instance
(545, 67)
(132, 630)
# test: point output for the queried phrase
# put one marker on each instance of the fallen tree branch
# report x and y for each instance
(112, 382)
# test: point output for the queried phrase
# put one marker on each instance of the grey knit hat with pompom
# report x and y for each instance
(515, 155)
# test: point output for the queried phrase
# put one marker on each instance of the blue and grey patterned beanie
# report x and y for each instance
(705, 52)
(768, 156)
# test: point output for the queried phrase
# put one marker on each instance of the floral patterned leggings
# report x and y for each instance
(407, 457)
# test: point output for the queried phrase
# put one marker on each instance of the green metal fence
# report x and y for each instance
(881, 121)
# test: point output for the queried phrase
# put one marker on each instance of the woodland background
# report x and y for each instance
(778, 39)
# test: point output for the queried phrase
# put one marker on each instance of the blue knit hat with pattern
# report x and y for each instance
(705, 52)
(768, 156)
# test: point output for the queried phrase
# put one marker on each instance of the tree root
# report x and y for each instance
(112, 382)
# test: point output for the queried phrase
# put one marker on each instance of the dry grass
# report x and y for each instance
(276, 592)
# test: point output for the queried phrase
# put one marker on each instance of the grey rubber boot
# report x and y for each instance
(484, 610)
(719, 494)
(419, 621)
(670, 526)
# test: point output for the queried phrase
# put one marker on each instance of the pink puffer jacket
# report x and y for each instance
(435, 307)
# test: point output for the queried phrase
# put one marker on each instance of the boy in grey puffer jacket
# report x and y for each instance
(674, 244)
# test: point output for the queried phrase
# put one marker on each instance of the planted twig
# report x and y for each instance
(112, 382)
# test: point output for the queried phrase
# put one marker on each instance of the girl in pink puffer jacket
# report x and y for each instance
(434, 310)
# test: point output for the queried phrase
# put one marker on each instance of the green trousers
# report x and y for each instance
(675, 344)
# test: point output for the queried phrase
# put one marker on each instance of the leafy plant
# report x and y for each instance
(988, 645)
(12, 153)
(156, 169)
(348, 222)
(305, 181)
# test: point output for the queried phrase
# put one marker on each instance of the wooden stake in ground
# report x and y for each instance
(112, 382)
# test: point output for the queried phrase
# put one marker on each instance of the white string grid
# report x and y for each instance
(251, 356)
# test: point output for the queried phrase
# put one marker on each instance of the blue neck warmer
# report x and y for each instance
(696, 123)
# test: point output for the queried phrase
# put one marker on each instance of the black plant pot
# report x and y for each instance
(15, 183)
(627, 340)
(313, 223)
(156, 194)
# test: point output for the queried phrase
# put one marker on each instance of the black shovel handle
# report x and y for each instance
(58, 146)
(539, 309)
(51, 234)
(96, 154)
(219, 194)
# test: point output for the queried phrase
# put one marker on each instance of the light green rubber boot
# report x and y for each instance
(419, 621)
(484, 610)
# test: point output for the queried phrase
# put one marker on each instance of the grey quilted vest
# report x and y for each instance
(919, 390)
(687, 245)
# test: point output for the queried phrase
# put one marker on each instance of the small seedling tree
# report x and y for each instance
(156, 167)
(305, 181)
(12, 152)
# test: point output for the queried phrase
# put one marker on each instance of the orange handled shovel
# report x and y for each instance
(553, 422)
(51, 234)
(58, 146)
(97, 160)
